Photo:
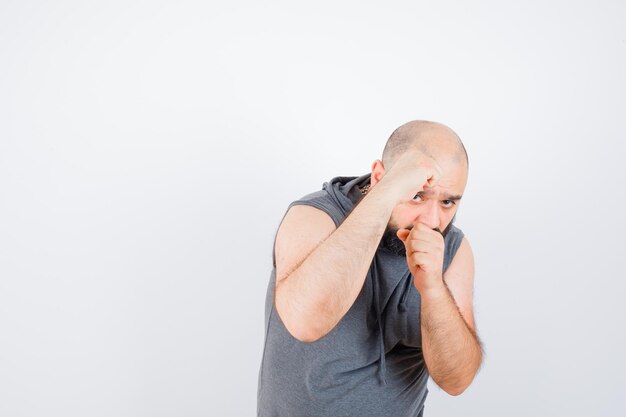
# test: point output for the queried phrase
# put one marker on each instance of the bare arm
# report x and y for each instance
(452, 350)
(314, 297)
(318, 292)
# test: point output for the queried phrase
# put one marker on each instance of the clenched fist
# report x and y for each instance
(424, 255)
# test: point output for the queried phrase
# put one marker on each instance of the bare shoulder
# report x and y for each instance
(303, 229)
(459, 278)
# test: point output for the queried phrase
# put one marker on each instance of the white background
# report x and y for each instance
(148, 151)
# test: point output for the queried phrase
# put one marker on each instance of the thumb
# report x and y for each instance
(402, 234)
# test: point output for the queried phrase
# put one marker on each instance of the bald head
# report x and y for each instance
(434, 139)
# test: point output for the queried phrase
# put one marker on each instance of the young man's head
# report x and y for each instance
(436, 206)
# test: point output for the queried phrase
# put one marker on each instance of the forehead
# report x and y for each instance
(453, 171)
(451, 183)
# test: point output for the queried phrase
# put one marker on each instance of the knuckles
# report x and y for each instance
(425, 233)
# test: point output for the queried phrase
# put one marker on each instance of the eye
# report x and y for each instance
(447, 203)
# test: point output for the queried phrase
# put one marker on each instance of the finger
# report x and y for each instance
(417, 259)
(436, 174)
(422, 227)
(423, 237)
(402, 234)
(425, 261)
(426, 234)
(422, 246)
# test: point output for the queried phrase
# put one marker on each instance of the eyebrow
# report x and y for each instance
(446, 195)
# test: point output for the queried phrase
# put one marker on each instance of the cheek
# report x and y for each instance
(402, 216)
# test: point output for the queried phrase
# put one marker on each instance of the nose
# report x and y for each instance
(429, 215)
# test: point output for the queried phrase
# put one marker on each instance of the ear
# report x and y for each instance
(378, 171)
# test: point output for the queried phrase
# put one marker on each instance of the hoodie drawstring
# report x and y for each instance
(405, 293)
(381, 337)
(401, 307)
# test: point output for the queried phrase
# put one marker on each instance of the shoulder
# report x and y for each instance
(463, 260)
(302, 229)
(454, 236)
(452, 241)
(322, 201)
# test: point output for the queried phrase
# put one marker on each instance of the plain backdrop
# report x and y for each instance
(148, 151)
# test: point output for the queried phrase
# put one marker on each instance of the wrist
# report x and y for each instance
(387, 190)
(434, 292)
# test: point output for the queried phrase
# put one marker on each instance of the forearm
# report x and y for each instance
(452, 351)
(316, 295)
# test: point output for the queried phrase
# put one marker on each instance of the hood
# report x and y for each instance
(345, 190)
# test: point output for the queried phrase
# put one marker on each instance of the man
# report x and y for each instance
(371, 290)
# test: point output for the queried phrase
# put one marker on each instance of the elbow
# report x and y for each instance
(455, 391)
(299, 323)
(458, 387)
(295, 324)
(298, 330)
(302, 333)
(308, 334)
(306, 338)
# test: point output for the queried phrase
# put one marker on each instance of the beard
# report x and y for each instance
(391, 243)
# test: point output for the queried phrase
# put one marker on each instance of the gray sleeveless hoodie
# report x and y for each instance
(371, 362)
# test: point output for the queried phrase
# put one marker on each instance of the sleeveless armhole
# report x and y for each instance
(319, 200)
(452, 242)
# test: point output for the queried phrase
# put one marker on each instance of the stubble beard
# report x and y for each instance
(390, 241)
